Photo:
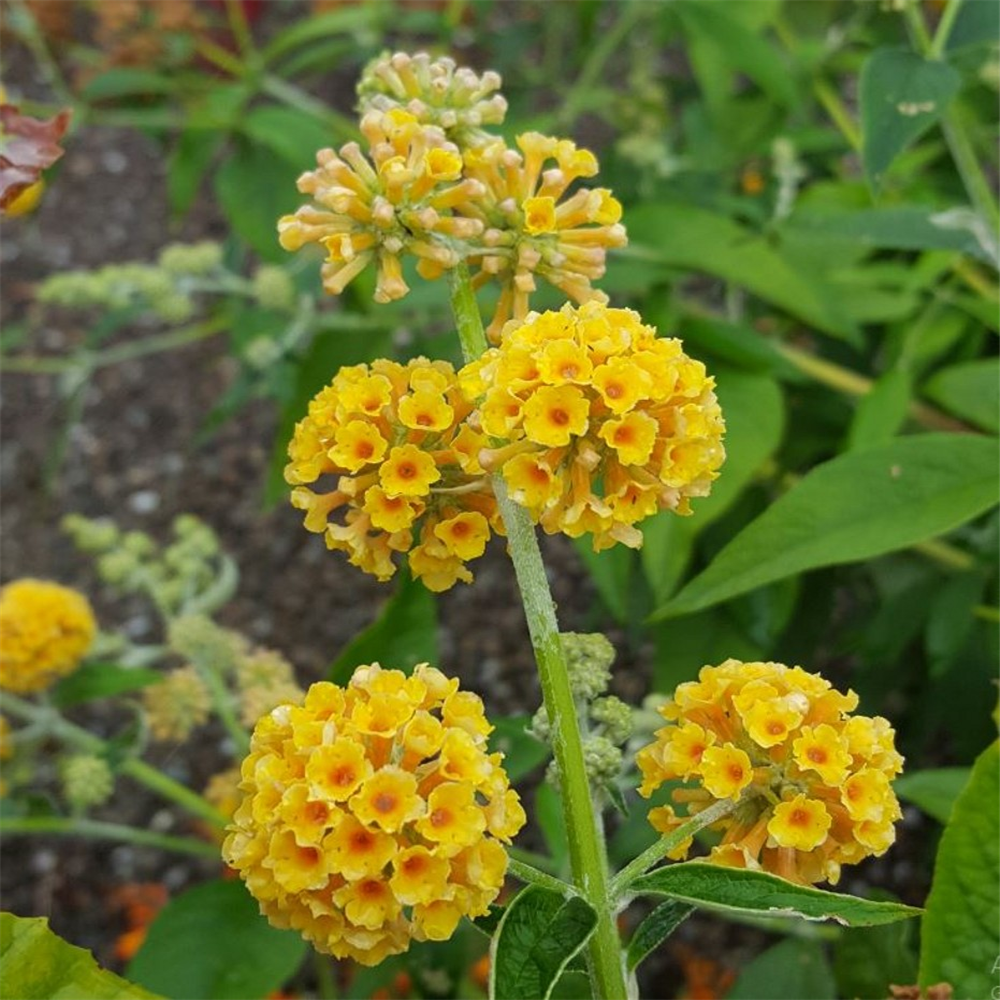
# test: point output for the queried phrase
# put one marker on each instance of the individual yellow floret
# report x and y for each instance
(811, 784)
(596, 423)
(403, 465)
(45, 632)
(374, 815)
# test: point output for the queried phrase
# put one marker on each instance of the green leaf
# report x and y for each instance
(901, 96)
(741, 48)
(292, 135)
(125, 82)
(739, 345)
(934, 790)
(655, 929)
(403, 635)
(302, 30)
(867, 959)
(685, 236)
(522, 752)
(970, 390)
(211, 942)
(255, 189)
(101, 680)
(951, 620)
(738, 891)
(792, 970)
(882, 412)
(962, 924)
(188, 163)
(40, 965)
(905, 228)
(753, 406)
(612, 571)
(537, 938)
(857, 506)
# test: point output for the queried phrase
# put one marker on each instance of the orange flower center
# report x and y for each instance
(735, 772)
(817, 755)
(559, 417)
(317, 812)
(384, 802)
(308, 855)
(799, 817)
(775, 728)
(342, 776)
(361, 840)
(615, 390)
(440, 817)
(364, 449)
(406, 470)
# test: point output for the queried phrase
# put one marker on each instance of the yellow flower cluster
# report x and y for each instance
(597, 422)
(434, 91)
(530, 227)
(395, 200)
(374, 815)
(45, 631)
(434, 185)
(812, 782)
(408, 470)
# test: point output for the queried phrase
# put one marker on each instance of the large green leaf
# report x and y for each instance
(40, 965)
(685, 236)
(656, 928)
(902, 228)
(293, 135)
(540, 933)
(255, 188)
(882, 411)
(901, 95)
(867, 959)
(403, 635)
(791, 970)
(211, 942)
(738, 891)
(970, 390)
(102, 680)
(962, 924)
(857, 506)
(934, 790)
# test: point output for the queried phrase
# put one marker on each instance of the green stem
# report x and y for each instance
(115, 355)
(326, 987)
(535, 876)
(838, 112)
(80, 827)
(142, 772)
(539, 861)
(588, 856)
(962, 152)
(341, 127)
(656, 852)
(609, 43)
(944, 27)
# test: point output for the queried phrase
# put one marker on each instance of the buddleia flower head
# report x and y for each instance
(812, 782)
(404, 471)
(374, 815)
(45, 632)
(596, 422)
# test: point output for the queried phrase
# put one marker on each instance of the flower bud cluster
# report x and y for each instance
(45, 632)
(435, 91)
(596, 422)
(177, 705)
(264, 679)
(408, 476)
(87, 781)
(374, 815)
(433, 185)
(812, 783)
(174, 576)
(379, 206)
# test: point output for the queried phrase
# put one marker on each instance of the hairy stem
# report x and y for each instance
(588, 855)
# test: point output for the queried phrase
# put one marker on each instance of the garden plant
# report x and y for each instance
(745, 378)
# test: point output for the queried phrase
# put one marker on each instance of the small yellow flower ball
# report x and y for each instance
(810, 782)
(45, 631)
(374, 815)
(597, 422)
